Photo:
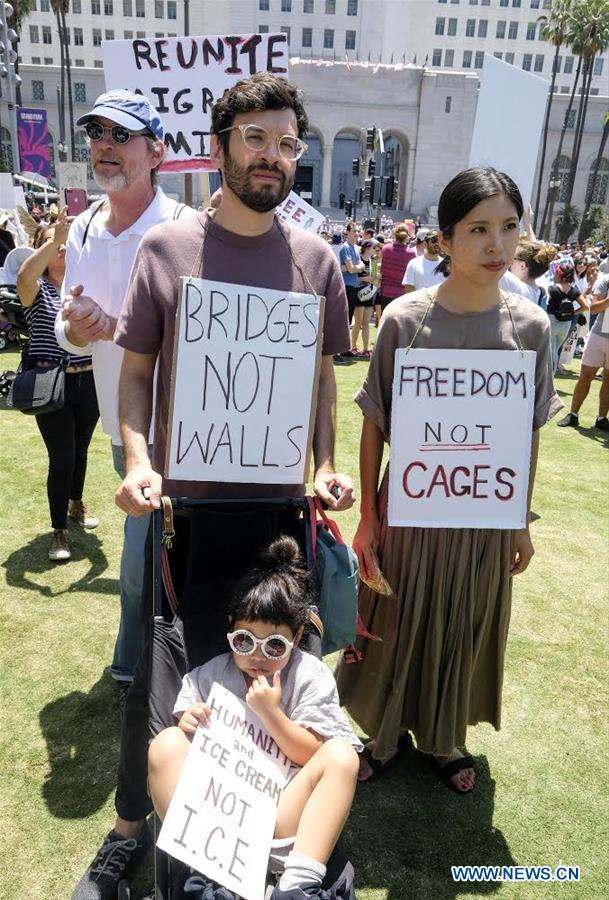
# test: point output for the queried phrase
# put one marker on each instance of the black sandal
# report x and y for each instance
(452, 768)
(405, 745)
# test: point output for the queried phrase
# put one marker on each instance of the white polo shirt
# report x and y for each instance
(103, 266)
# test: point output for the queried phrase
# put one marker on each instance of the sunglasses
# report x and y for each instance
(258, 139)
(118, 133)
(243, 642)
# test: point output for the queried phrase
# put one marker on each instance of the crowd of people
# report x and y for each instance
(103, 290)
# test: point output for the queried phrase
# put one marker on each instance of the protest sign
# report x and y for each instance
(523, 100)
(297, 211)
(461, 429)
(222, 816)
(244, 384)
(184, 76)
(7, 191)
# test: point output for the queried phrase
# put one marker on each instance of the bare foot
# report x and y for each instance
(464, 779)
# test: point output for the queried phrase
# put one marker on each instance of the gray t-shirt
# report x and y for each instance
(308, 693)
(601, 324)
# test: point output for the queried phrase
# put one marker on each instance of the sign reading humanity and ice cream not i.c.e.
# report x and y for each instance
(222, 816)
(244, 384)
(461, 428)
(183, 77)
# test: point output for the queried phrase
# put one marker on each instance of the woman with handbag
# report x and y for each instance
(439, 667)
(564, 304)
(66, 432)
(366, 293)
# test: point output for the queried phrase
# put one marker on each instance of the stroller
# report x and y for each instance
(13, 326)
(211, 544)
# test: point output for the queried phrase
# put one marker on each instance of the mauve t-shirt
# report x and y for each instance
(204, 249)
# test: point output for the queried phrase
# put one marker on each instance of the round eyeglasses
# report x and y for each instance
(243, 642)
(120, 135)
(257, 138)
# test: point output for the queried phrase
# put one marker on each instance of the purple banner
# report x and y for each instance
(34, 149)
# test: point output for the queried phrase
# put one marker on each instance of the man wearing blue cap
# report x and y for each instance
(125, 136)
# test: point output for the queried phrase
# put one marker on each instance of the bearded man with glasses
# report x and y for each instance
(258, 131)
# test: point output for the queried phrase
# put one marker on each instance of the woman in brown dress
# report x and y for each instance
(439, 667)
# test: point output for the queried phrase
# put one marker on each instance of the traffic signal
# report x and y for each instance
(359, 195)
(355, 167)
(341, 200)
(370, 135)
(390, 192)
(371, 167)
(368, 189)
(349, 208)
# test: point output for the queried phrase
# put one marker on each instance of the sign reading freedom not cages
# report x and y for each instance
(183, 77)
(244, 384)
(461, 429)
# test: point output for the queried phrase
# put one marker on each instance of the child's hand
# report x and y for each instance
(261, 697)
(199, 712)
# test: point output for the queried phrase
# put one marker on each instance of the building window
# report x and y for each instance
(569, 120)
(78, 37)
(504, 2)
(452, 27)
(44, 5)
(473, 2)
(286, 5)
(96, 7)
(498, 55)
(500, 32)
(449, 59)
(556, 64)
(527, 62)
(448, 104)
(76, 6)
(479, 59)
(594, 92)
(330, 7)
(568, 64)
(565, 89)
(140, 9)
(328, 38)
(308, 6)
(263, 29)
(48, 60)
(285, 29)
(470, 28)
(35, 62)
(307, 37)
(108, 7)
(79, 62)
(516, 3)
(350, 40)
(67, 36)
(351, 7)
(159, 9)
(598, 66)
(560, 169)
(263, 5)
(485, 2)
(34, 36)
(127, 8)
(37, 90)
(509, 58)
(172, 10)
(98, 64)
(128, 35)
(47, 37)
(513, 31)
(440, 25)
(467, 59)
(531, 31)
(482, 28)
(597, 188)
(97, 37)
(436, 58)
(534, 4)
(538, 67)
(80, 92)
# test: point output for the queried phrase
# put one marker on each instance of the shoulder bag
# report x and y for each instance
(37, 391)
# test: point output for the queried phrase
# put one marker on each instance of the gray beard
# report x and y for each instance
(110, 183)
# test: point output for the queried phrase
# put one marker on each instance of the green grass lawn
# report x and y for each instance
(541, 796)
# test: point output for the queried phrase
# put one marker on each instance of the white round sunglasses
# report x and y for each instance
(243, 642)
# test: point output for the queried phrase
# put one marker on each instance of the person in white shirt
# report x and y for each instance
(125, 135)
(421, 271)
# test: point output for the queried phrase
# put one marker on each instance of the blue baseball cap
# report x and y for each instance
(132, 111)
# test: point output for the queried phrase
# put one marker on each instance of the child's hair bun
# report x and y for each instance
(282, 555)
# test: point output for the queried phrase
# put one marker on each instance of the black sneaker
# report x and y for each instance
(199, 887)
(117, 858)
(571, 420)
(602, 423)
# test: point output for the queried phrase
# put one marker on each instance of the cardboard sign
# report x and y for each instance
(183, 77)
(461, 427)
(221, 819)
(72, 175)
(244, 385)
(508, 94)
(7, 192)
(297, 211)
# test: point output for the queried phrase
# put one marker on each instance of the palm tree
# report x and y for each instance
(60, 7)
(590, 37)
(553, 30)
(594, 176)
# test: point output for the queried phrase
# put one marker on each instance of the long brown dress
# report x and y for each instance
(440, 665)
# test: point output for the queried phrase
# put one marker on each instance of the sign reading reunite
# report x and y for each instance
(461, 428)
(221, 819)
(183, 77)
(246, 368)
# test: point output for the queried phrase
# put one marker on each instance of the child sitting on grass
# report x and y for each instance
(295, 697)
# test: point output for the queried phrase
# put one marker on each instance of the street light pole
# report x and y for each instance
(61, 146)
(554, 189)
(8, 37)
